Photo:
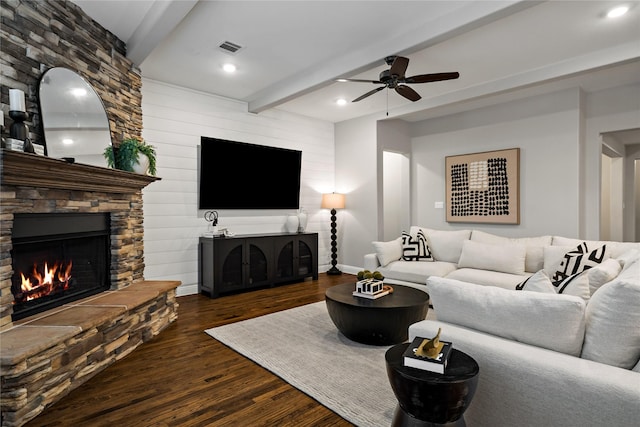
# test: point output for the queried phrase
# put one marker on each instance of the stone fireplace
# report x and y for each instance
(46, 354)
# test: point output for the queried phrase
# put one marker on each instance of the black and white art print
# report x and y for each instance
(484, 187)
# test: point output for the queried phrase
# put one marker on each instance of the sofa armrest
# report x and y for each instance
(371, 262)
(522, 384)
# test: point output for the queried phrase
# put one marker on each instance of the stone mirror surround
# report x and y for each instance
(74, 119)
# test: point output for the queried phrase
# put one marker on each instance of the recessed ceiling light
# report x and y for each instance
(229, 68)
(341, 101)
(617, 11)
(67, 141)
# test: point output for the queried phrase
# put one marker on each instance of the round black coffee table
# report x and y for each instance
(382, 321)
(428, 399)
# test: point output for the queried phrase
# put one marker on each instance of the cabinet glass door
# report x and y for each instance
(305, 259)
(284, 265)
(258, 269)
(231, 270)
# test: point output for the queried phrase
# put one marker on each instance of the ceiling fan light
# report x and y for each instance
(617, 11)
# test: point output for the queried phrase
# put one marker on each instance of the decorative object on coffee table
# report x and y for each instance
(333, 201)
(381, 321)
(429, 399)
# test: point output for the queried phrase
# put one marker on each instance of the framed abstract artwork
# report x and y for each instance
(483, 187)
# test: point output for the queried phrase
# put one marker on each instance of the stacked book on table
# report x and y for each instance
(437, 364)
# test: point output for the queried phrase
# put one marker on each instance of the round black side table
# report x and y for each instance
(429, 399)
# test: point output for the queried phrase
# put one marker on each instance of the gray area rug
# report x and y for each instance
(303, 347)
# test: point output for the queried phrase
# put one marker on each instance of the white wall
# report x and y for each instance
(543, 127)
(174, 119)
(605, 111)
(357, 177)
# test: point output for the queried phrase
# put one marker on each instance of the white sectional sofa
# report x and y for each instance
(548, 356)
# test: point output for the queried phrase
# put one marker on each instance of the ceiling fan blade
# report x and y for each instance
(399, 66)
(408, 93)
(436, 77)
(359, 81)
(371, 92)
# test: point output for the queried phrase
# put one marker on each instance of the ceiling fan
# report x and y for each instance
(394, 78)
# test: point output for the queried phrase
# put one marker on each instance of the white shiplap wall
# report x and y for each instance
(174, 119)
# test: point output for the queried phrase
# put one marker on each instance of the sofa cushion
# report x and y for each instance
(388, 251)
(613, 320)
(534, 245)
(416, 272)
(487, 277)
(506, 258)
(415, 248)
(615, 248)
(558, 319)
(445, 245)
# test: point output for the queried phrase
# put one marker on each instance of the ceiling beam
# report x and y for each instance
(162, 17)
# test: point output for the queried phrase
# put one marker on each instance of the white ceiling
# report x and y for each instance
(292, 51)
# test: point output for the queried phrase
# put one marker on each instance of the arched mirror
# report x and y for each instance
(74, 120)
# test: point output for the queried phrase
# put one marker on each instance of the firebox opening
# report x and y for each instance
(57, 259)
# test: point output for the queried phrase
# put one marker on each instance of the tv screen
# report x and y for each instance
(238, 175)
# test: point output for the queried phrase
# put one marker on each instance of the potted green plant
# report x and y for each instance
(126, 156)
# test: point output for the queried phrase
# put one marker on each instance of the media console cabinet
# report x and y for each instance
(245, 262)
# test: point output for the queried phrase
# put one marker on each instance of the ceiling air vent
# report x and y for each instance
(229, 47)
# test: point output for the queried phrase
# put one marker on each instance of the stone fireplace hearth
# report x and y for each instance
(46, 355)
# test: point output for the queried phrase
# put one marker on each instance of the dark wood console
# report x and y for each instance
(240, 263)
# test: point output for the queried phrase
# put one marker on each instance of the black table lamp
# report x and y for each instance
(333, 201)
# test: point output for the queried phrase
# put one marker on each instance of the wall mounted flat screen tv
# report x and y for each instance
(239, 175)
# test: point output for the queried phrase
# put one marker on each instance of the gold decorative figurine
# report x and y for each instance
(430, 348)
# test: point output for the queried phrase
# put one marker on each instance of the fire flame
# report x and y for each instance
(47, 281)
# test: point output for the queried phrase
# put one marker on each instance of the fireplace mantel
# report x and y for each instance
(39, 171)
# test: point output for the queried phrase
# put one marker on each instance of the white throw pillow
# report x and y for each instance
(415, 248)
(555, 322)
(576, 285)
(445, 245)
(534, 245)
(613, 321)
(506, 258)
(388, 251)
(604, 273)
(538, 282)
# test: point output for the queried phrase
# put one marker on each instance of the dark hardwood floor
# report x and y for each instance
(184, 377)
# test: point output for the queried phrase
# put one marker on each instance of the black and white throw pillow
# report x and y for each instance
(578, 260)
(415, 248)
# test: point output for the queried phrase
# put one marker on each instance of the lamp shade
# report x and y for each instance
(332, 201)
